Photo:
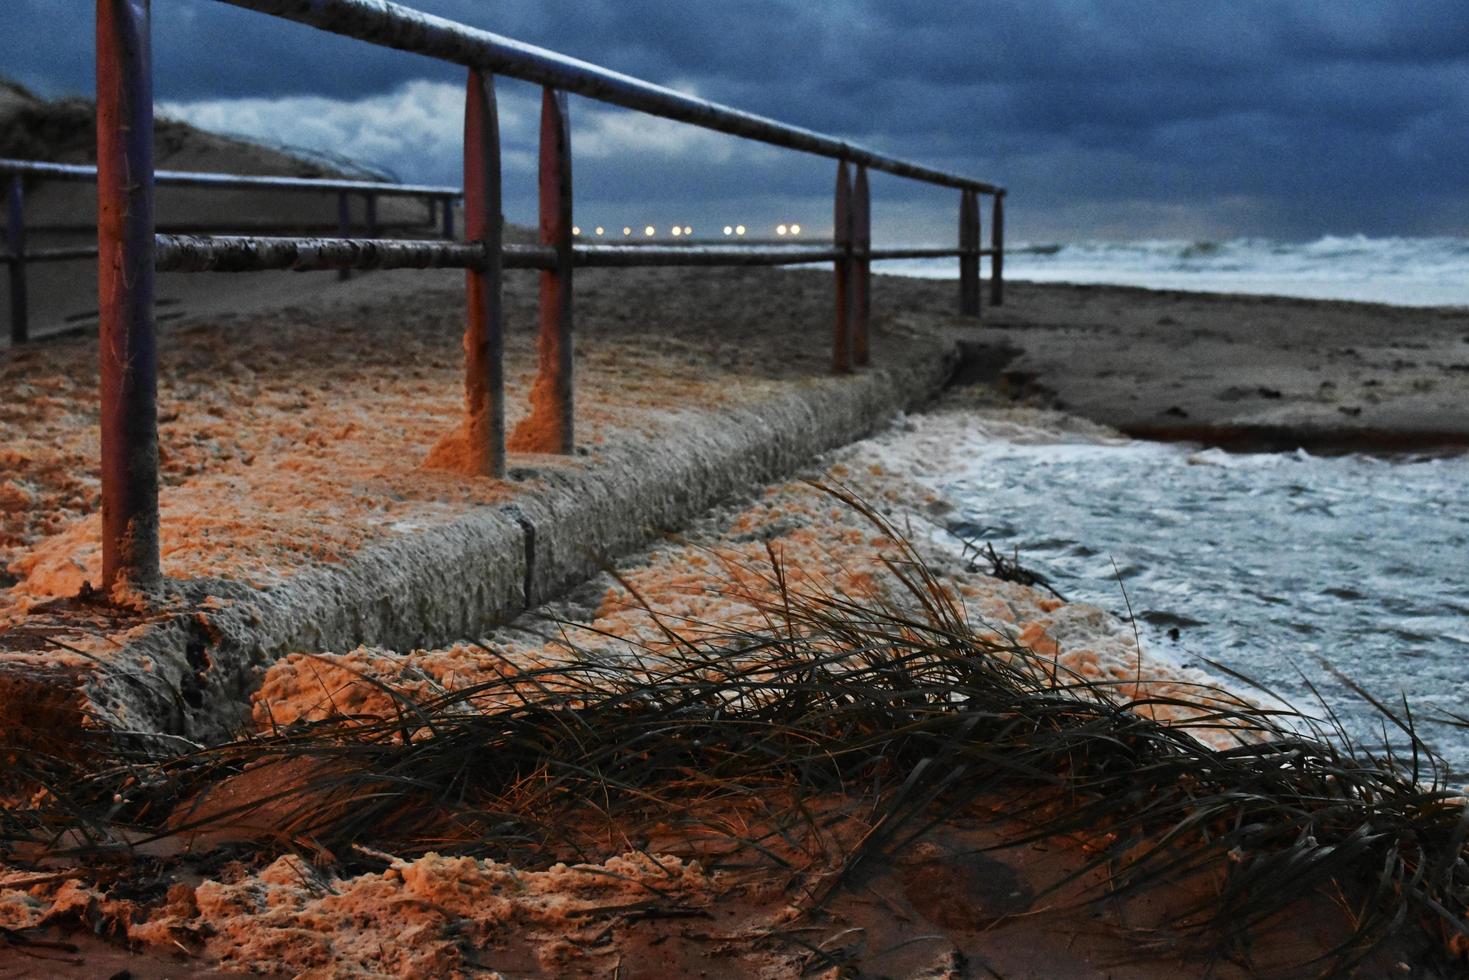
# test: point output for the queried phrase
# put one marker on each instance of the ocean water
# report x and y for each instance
(1270, 564)
(1400, 271)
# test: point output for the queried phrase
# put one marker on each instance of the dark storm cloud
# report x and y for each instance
(1249, 117)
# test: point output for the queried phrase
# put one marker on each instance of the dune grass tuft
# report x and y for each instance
(896, 700)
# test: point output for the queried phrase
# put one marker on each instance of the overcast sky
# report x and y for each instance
(1105, 118)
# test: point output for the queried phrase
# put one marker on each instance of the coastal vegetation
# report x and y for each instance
(758, 743)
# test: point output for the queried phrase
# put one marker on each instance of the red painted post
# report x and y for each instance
(841, 351)
(130, 555)
(969, 261)
(862, 267)
(997, 259)
(15, 245)
(484, 327)
(344, 225)
(549, 427)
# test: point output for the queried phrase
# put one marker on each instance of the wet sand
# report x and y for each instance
(1246, 372)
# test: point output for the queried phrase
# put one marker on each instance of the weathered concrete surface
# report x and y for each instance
(73, 667)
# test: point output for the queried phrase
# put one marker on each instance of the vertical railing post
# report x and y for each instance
(370, 218)
(841, 351)
(997, 254)
(484, 327)
(433, 211)
(129, 368)
(15, 244)
(861, 267)
(549, 427)
(344, 225)
(969, 246)
(449, 218)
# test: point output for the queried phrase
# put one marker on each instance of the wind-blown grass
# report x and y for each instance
(899, 701)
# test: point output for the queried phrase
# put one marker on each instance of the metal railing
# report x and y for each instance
(130, 250)
(20, 173)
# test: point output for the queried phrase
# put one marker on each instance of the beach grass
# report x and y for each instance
(897, 703)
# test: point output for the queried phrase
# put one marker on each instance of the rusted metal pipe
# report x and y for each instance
(244, 253)
(15, 247)
(549, 428)
(130, 554)
(484, 325)
(256, 253)
(630, 256)
(861, 267)
(344, 227)
(192, 178)
(395, 26)
(997, 252)
(968, 253)
(57, 254)
(841, 349)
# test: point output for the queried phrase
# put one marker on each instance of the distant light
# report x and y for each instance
(780, 229)
(728, 230)
(627, 231)
(739, 229)
(795, 229)
(599, 229)
(575, 230)
(649, 231)
(677, 231)
(687, 230)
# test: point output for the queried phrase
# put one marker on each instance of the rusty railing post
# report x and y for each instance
(484, 327)
(344, 225)
(449, 218)
(969, 246)
(129, 367)
(997, 256)
(549, 428)
(15, 245)
(841, 350)
(861, 267)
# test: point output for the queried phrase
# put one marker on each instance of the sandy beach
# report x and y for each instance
(299, 420)
(295, 435)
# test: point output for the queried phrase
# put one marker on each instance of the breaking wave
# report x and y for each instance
(1399, 271)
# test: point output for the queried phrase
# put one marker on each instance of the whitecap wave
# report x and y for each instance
(1401, 271)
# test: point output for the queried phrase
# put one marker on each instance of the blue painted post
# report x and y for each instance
(129, 368)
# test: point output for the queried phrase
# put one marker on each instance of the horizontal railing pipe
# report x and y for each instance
(394, 26)
(258, 253)
(188, 178)
(51, 254)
